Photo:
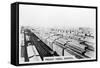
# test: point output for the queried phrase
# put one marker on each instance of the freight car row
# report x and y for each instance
(77, 48)
(42, 48)
(55, 45)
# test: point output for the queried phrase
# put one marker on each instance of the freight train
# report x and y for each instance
(55, 44)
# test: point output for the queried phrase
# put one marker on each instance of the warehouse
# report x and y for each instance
(38, 44)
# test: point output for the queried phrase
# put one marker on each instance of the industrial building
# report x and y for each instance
(36, 44)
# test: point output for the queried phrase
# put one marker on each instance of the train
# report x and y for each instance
(54, 44)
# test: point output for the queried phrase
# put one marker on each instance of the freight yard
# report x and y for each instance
(38, 43)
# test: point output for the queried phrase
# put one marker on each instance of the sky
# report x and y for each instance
(56, 17)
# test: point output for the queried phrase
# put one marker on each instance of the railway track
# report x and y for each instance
(42, 48)
(72, 51)
(45, 51)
